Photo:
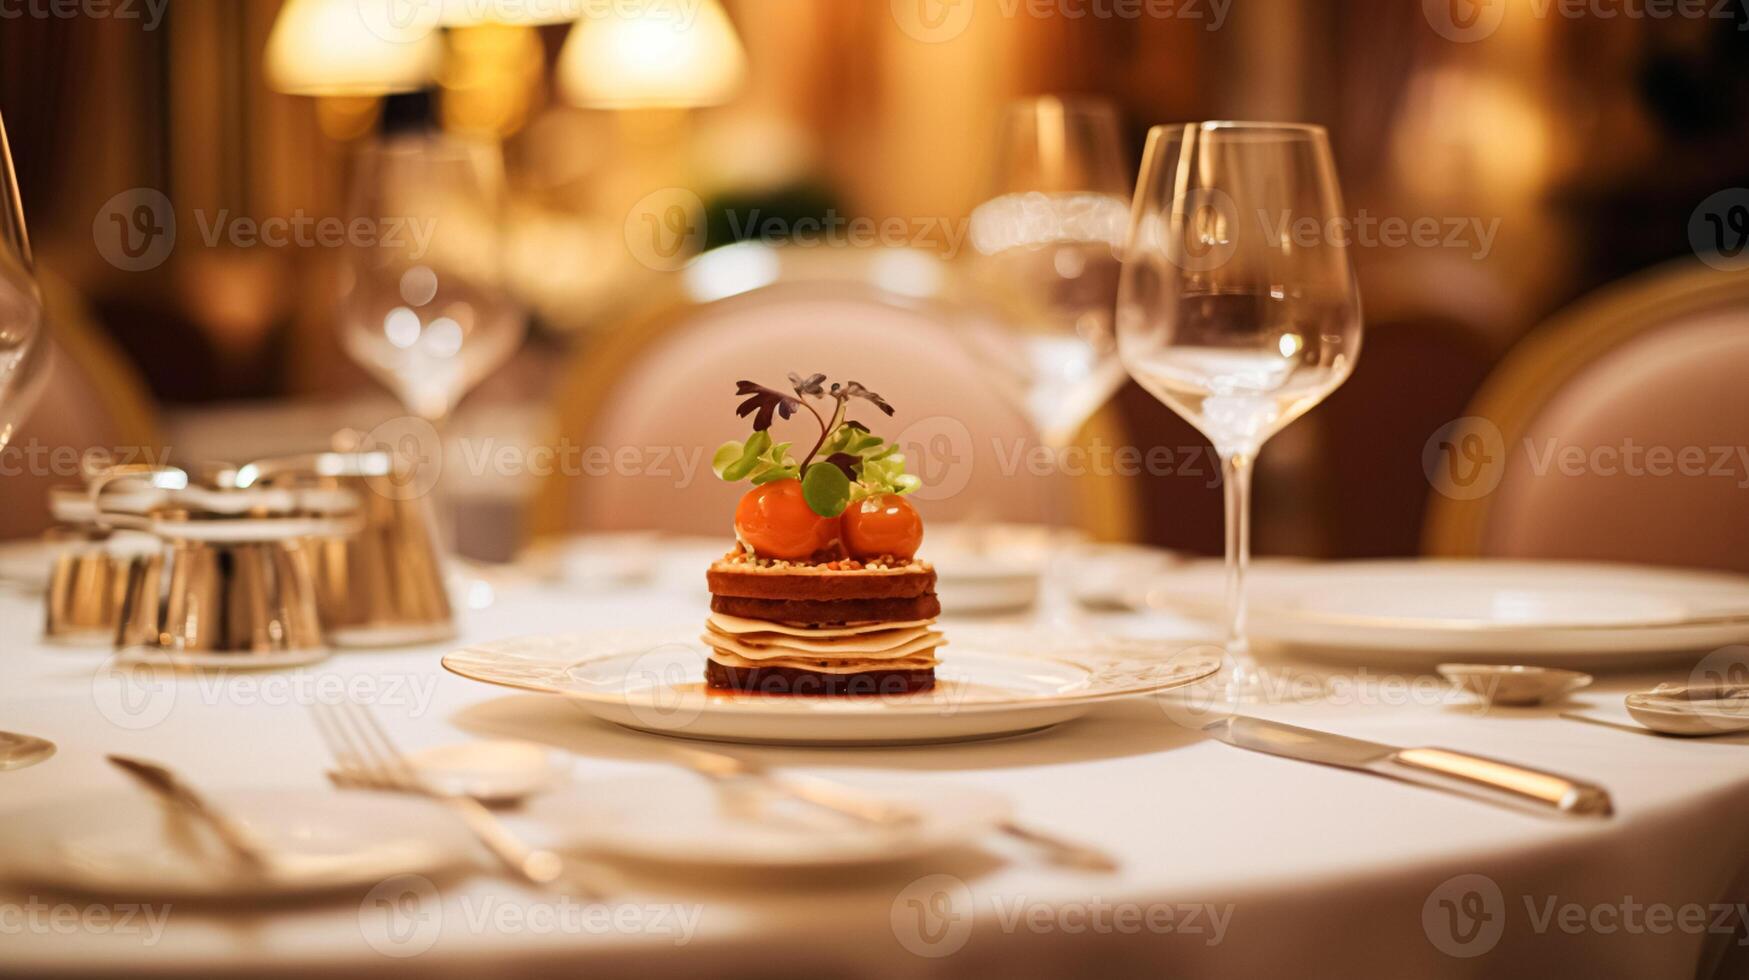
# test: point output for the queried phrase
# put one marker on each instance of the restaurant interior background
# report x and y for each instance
(1563, 155)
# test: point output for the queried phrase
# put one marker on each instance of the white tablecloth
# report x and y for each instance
(1235, 864)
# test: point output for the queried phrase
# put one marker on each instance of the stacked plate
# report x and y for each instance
(1415, 613)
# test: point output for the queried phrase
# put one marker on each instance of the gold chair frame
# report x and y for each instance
(1560, 350)
(1105, 505)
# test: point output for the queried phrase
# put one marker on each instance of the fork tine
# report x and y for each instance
(396, 759)
(388, 766)
(344, 759)
(373, 766)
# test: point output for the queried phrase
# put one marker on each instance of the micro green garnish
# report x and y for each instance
(847, 462)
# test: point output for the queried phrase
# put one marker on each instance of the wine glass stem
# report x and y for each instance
(442, 502)
(1236, 482)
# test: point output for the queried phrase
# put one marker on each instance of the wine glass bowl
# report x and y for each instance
(424, 305)
(24, 352)
(1047, 248)
(1238, 306)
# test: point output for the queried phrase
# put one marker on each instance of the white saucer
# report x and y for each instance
(123, 842)
(992, 681)
(972, 592)
(680, 818)
(990, 568)
(1106, 576)
(1415, 613)
(1675, 709)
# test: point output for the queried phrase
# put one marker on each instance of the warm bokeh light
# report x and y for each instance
(654, 58)
(328, 47)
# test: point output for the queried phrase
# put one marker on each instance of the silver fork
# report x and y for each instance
(365, 758)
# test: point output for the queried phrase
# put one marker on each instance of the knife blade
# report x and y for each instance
(1477, 777)
(820, 793)
(165, 784)
(847, 802)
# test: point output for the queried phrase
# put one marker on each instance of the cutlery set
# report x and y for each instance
(366, 758)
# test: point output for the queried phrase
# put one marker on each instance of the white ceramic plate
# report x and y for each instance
(1105, 576)
(990, 568)
(1415, 613)
(680, 818)
(992, 681)
(124, 842)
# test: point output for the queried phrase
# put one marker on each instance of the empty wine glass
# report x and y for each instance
(23, 372)
(23, 345)
(1047, 247)
(424, 301)
(1238, 306)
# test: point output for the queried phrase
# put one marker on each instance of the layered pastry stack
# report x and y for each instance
(840, 628)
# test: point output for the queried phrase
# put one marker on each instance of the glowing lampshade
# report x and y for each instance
(349, 47)
(658, 57)
(512, 13)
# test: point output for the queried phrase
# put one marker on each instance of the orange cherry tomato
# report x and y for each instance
(778, 522)
(884, 525)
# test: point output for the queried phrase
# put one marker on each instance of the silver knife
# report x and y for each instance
(169, 788)
(844, 801)
(1474, 776)
(821, 793)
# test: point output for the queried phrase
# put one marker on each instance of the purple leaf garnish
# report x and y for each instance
(766, 402)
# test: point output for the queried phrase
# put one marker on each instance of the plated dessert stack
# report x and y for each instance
(823, 593)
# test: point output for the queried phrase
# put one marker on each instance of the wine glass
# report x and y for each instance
(23, 346)
(1238, 306)
(1047, 247)
(23, 372)
(424, 301)
(424, 305)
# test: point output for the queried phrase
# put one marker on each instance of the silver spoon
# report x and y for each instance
(18, 751)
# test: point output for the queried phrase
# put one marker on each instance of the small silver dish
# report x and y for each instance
(90, 567)
(1692, 711)
(380, 584)
(1514, 685)
(236, 586)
